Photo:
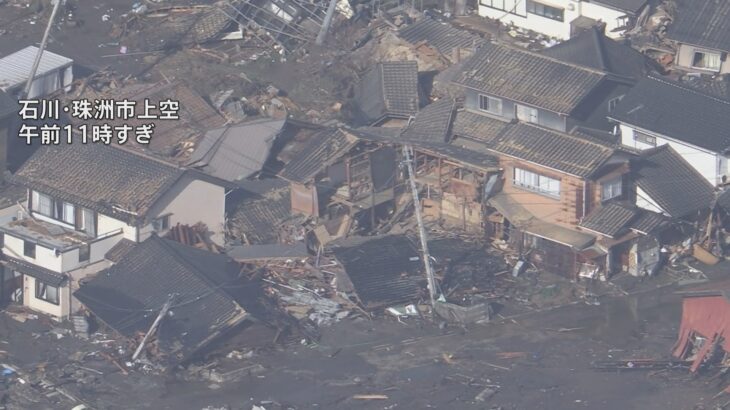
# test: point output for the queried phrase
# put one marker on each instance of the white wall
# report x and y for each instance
(643, 200)
(29, 299)
(191, 201)
(710, 165)
(604, 14)
(107, 224)
(44, 257)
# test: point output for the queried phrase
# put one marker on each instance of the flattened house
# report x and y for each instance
(84, 199)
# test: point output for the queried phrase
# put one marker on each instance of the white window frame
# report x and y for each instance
(612, 188)
(535, 182)
(717, 57)
(613, 102)
(490, 104)
(540, 9)
(43, 204)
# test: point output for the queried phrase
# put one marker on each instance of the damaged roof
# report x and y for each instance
(109, 180)
(613, 219)
(444, 37)
(237, 151)
(671, 182)
(704, 23)
(325, 148)
(390, 89)
(204, 288)
(383, 270)
(593, 49)
(529, 78)
(676, 111)
(432, 124)
(256, 215)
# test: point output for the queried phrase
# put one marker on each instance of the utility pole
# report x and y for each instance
(154, 326)
(421, 228)
(44, 41)
(327, 21)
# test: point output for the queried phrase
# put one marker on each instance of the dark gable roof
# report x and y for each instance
(478, 126)
(630, 6)
(704, 23)
(100, 177)
(324, 148)
(677, 111)
(129, 295)
(388, 89)
(551, 149)
(432, 124)
(609, 220)
(529, 78)
(442, 36)
(671, 182)
(591, 48)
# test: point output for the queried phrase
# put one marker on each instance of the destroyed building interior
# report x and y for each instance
(344, 204)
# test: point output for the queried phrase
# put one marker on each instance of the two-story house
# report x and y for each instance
(659, 111)
(84, 199)
(564, 18)
(514, 84)
(701, 32)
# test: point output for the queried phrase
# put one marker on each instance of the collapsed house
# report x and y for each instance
(444, 40)
(180, 298)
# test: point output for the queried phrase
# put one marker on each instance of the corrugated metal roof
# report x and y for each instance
(15, 68)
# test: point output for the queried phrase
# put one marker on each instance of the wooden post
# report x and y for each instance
(156, 323)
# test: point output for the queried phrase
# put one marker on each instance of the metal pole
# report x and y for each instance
(327, 22)
(42, 47)
(421, 229)
(156, 323)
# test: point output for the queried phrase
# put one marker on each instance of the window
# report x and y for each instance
(84, 252)
(490, 104)
(88, 222)
(64, 212)
(544, 10)
(611, 189)
(43, 204)
(526, 114)
(536, 182)
(44, 291)
(644, 138)
(47, 206)
(29, 249)
(613, 102)
(707, 61)
(161, 224)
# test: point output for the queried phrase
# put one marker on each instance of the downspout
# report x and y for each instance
(585, 196)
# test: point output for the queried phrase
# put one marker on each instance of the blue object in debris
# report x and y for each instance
(8, 372)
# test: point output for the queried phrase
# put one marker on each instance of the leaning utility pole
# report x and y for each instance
(327, 21)
(421, 229)
(44, 41)
(154, 326)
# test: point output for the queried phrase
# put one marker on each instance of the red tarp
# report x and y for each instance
(709, 317)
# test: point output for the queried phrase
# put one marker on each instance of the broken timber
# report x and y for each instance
(154, 326)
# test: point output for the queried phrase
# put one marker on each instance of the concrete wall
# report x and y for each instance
(685, 55)
(712, 166)
(604, 14)
(59, 311)
(106, 224)
(191, 201)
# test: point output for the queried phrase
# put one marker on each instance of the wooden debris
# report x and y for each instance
(370, 397)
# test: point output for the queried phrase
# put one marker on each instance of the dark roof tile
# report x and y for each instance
(609, 220)
(432, 124)
(442, 36)
(704, 23)
(322, 150)
(390, 89)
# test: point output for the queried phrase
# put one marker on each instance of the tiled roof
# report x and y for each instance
(257, 215)
(237, 151)
(388, 89)
(631, 6)
(478, 127)
(529, 78)
(609, 220)
(383, 270)
(442, 36)
(104, 178)
(120, 250)
(324, 148)
(432, 124)
(15, 68)
(704, 23)
(647, 222)
(678, 112)
(593, 49)
(129, 295)
(552, 149)
(672, 183)
(481, 159)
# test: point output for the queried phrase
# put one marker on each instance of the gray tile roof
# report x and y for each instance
(120, 250)
(128, 296)
(238, 151)
(100, 177)
(593, 49)
(677, 111)
(432, 124)
(390, 89)
(529, 78)
(630, 6)
(647, 222)
(383, 270)
(610, 219)
(444, 37)
(562, 152)
(478, 127)
(704, 23)
(325, 147)
(256, 216)
(672, 183)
